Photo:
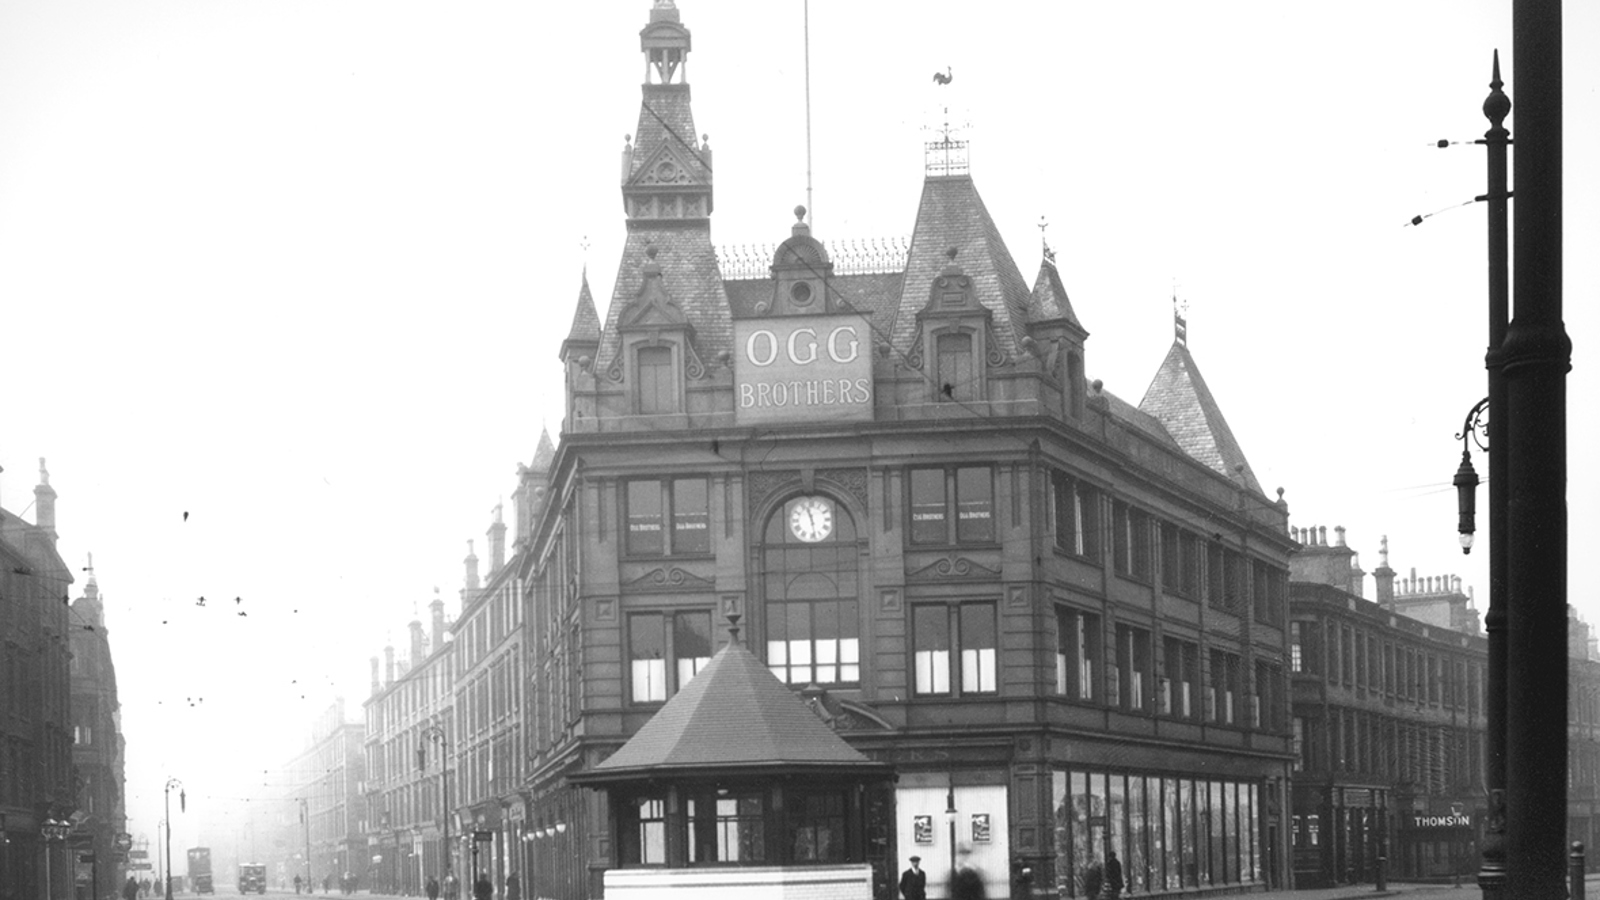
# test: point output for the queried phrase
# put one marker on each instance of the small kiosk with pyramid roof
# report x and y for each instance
(736, 788)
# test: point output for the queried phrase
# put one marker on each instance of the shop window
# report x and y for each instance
(1130, 541)
(670, 518)
(1075, 509)
(657, 390)
(1078, 657)
(952, 505)
(956, 378)
(810, 574)
(954, 644)
(663, 644)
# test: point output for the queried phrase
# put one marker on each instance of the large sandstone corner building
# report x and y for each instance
(1059, 616)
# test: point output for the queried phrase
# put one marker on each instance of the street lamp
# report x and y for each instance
(54, 831)
(166, 798)
(1475, 430)
(435, 733)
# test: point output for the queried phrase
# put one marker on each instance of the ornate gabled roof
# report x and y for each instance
(689, 277)
(1049, 302)
(952, 214)
(1179, 398)
(735, 716)
(585, 320)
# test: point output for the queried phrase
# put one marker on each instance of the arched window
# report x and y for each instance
(810, 582)
(656, 391)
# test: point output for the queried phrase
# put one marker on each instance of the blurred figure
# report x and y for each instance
(482, 889)
(130, 890)
(433, 888)
(513, 887)
(297, 883)
(967, 884)
(1113, 876)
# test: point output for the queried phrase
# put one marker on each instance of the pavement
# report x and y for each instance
(1408, 889)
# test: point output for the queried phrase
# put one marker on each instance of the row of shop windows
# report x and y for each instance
(1169, 833)
(955, 505)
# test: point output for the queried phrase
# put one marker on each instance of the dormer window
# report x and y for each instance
(955, 377)
(656, 388)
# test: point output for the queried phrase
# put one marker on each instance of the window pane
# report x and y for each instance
(655, 380)
(691, 518)
(691, 644)
(931, 636)
(927, 507)
(977, 647)
(644, 518)
(974, 504)
(956, 380)
(646, 651)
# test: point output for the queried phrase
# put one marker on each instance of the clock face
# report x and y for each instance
(811, 519)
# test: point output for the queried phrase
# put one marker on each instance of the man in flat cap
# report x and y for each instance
(914, 881)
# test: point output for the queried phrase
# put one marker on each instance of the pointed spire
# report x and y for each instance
(1179, 398)
(544, 454)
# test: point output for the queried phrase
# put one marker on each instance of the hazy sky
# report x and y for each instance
(301, 271)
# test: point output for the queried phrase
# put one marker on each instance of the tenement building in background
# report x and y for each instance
(323, 809)
(97, 747)
(1059, 615)
(409, 735)
(36, 751)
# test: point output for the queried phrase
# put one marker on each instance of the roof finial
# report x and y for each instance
(1044, 241)
(1180, 323)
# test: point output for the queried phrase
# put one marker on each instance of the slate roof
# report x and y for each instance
(1179, 398)
(585, 321)
(691, 279)
(665, 118)
(1049, 298)
(873, 294)
(545, 454)
(734, 716)
(951, 214)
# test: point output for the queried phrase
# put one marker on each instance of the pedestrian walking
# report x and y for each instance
(433, 888)
(482, 889)
(967, 884)
(130, 890)
(296, 884)
(513, 887)
(914, 881)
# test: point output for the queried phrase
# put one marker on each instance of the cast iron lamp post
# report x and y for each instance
(166, 798)
(436, 734)
(54, 831)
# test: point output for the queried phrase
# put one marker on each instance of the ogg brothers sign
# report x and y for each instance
(804, 368)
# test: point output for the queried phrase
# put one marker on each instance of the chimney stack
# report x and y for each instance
(437, 609)
(416, 643)
(388, 663)
(470, 591)
(44, 504)
(376, 684)
(1384, 576)
(497, 540)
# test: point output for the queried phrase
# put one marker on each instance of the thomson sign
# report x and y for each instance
(804, 368)
(1452, 820)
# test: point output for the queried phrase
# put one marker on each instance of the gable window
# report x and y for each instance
(657, 388)
(810, 581)
(1078, 656)
(1130, 532)
(954, 644)
(956, 378)
(663, 645)
(1076, 509)
(952, 505)
(671, 518)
